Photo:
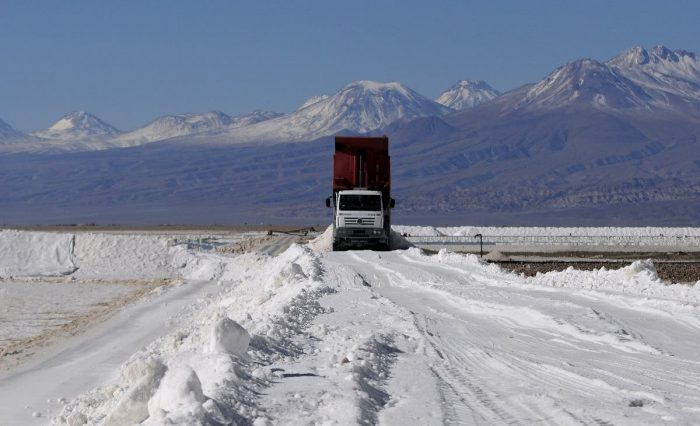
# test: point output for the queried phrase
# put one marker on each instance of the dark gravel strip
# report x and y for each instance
(671, 272)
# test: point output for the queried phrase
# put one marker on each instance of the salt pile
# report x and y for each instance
(229, 337)
(143, 376)
(323, 242)
(36, 253)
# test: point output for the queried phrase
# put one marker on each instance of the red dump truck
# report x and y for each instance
(361, 197)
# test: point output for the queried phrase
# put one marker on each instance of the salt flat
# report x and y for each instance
(312, 336)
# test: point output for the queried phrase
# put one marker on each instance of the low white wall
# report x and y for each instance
(86, 255)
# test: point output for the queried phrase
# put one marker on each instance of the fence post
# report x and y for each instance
(481, 244)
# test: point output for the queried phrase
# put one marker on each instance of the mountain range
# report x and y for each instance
(592, 143)
(361, 106)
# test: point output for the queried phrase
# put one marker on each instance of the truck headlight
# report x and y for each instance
(377, 231)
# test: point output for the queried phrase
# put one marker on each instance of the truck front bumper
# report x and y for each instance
(360, 237)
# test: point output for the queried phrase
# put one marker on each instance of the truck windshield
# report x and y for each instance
(361, 203)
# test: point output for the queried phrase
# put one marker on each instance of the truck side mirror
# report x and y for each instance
(328, 202)
(392, 203)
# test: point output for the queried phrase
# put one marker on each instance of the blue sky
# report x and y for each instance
(131, 61)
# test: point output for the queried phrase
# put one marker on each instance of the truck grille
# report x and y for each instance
(359, 221)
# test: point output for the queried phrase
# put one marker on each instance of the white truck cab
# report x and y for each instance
(359, 219)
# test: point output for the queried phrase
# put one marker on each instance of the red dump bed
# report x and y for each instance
(362, 162)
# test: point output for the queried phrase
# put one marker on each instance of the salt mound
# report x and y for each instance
(496, 256)
(85, 255)
(179, 394)
(642, 266)
(323, 242)
(228, 336)
(36, 253)
(398, 242)
(125, 256)
(144, 377)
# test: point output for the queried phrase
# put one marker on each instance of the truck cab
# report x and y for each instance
(359, 220)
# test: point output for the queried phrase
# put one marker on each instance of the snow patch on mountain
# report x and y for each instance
(254, 117)
(361, 106)
(467, 94)
(312, 100)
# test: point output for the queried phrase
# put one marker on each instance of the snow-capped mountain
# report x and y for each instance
(669, 77)
(361, 106)
(171, 126)
(585, 82)
(636, 80)
(78, 125)
(467, 94)
(210, 123)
